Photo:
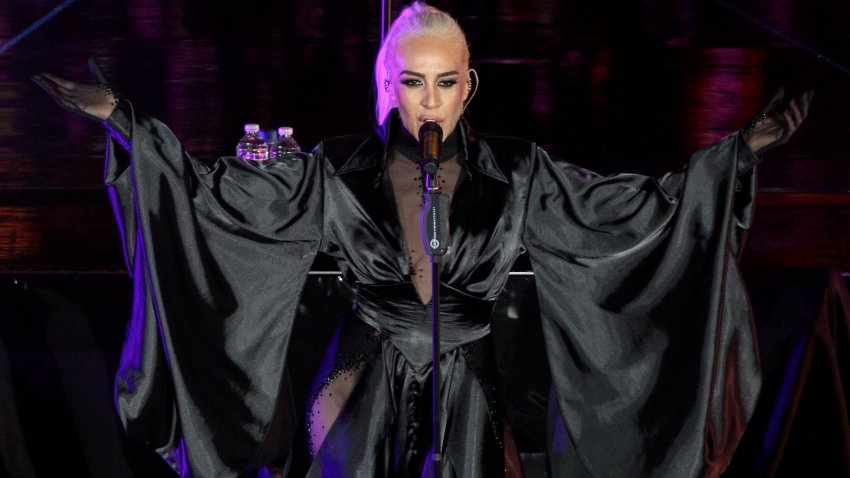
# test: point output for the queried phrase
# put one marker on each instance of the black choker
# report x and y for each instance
(408, 146)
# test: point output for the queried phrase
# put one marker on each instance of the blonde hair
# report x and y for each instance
(414, 19)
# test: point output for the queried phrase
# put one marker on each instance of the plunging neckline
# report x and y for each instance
(405, 191)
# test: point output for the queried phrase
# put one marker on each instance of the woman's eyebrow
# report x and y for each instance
(421, 75)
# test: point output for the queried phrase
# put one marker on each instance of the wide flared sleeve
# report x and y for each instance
(646, 319)
(218, 258)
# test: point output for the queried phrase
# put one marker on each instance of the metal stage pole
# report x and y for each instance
(434, 238)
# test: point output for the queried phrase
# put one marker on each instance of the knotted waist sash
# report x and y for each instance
(396, 311)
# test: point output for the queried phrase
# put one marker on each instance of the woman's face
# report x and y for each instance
(428, 82)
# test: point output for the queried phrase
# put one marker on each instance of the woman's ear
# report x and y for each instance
(471, 87)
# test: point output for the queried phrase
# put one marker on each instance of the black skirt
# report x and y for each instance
(385, 426)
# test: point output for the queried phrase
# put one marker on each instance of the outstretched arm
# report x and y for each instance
(95, 100)
(205, 247)
(775, 124)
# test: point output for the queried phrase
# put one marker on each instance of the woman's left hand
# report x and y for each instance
(773, 126)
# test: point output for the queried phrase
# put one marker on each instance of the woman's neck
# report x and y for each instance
(408, 146)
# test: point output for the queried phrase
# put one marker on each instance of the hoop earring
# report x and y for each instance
(472, 92)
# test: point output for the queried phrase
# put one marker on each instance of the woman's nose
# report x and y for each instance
(430, 97)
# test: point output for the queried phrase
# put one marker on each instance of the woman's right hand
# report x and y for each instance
(95, 100)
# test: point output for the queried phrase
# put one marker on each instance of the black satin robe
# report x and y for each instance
(647, 323)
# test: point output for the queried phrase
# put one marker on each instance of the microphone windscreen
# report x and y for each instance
(430, 140)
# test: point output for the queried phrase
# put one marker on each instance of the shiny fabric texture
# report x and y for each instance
(395, 311)
(384, 429)
(647, 323)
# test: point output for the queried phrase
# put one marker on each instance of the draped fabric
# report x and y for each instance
(213, 254)
(647, 323)
(645, 316)
(384, 428)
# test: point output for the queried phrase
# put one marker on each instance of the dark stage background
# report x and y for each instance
(613, 86)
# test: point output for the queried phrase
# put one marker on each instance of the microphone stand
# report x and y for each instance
(432, 224)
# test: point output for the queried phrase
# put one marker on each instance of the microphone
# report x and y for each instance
(430, 141)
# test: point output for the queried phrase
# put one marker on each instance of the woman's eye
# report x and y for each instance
(411, 82)
(447, 83)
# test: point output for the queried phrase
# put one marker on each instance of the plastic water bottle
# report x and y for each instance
(252, 146)
(285, 143)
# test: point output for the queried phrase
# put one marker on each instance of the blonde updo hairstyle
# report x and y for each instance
(415, 19)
